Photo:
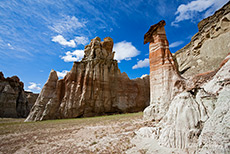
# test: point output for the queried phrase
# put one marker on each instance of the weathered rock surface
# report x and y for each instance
(215, 134)
(208, 47)
(13, 99)
(197, 117)
(94, 86)
(201, 117)
(165, 80)
(31, 98)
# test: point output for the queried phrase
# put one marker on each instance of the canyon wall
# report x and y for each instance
(208, 47)
(94, 86)
(14, 101)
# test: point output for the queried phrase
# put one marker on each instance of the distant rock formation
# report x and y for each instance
(94, 86)
(13, 98)
(164, 76)
(208, 47)
(196, 115)
(31, 99)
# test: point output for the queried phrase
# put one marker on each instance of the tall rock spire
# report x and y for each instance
(164, 75)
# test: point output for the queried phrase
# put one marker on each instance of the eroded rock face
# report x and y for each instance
(208, 47)
(197, 118)
(13, 100)
(94, 86)
(201, 117)
(215, 134)
(31, 98)
(165, 80)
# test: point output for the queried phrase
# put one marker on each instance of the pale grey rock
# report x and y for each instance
(148, 114)
(207, 102)
(145, 132)
(215, 135)
(181, 126)
(198, 121)
(221, 78)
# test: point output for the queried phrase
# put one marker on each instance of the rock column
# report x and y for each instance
(163, 72)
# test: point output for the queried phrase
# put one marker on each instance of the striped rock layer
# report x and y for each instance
(165, 80)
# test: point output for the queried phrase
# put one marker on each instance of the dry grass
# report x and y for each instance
(106, 134)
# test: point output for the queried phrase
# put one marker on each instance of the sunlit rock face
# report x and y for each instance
(208, 47)
(13, 98)
(197, 116)
(94, 86)
(165, 80)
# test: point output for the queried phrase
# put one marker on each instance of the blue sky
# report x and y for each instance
(39, 35)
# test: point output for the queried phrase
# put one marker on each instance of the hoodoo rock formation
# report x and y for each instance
(164, 75)
(13, 98)
(208, 47)
(94, 86)
(196, 112)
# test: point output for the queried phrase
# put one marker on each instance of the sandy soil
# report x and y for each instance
(108, 134)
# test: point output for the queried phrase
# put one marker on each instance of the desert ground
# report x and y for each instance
(105, 134)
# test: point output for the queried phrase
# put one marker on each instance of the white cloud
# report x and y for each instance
(144, 75)
(81, 40)
(61, 40)
(34, 86)
(217, 4)
(125, 51)
(62, 73)
(176, 44)
(197, 10)
(10, 46)
(68, 24)
(141, 64)
(73, 56)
